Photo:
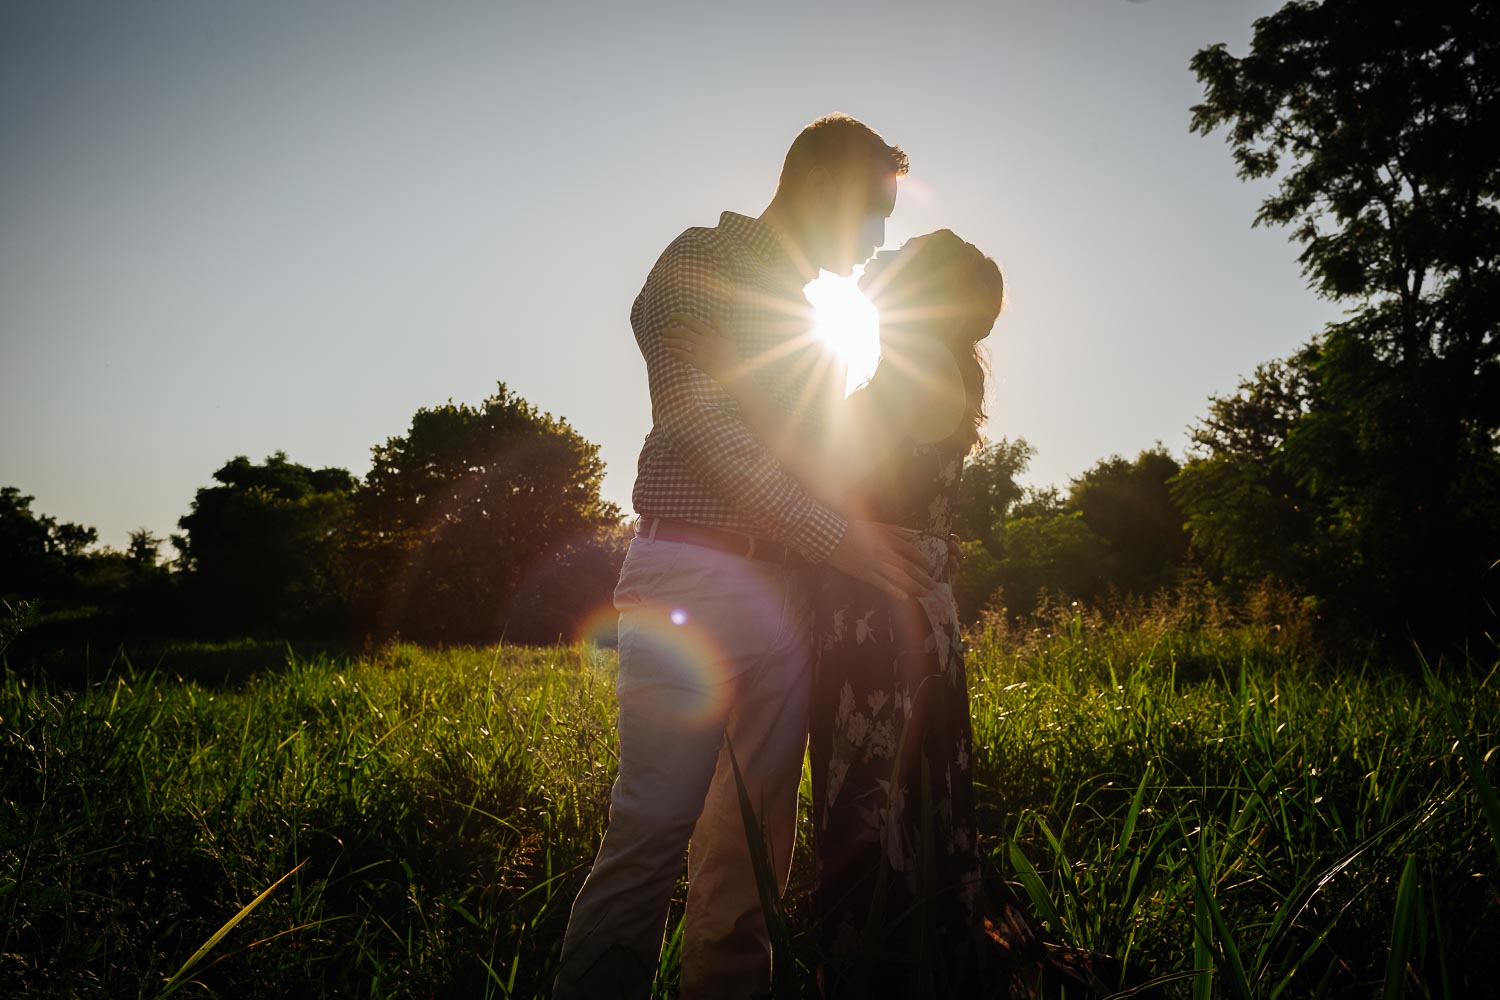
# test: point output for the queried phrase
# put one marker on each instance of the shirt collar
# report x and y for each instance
(761, 240)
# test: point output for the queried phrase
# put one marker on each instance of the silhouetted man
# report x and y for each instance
(715, 615)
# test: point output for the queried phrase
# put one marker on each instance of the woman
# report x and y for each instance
(900, 901)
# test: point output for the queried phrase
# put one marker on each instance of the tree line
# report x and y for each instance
(479, 523)
(1360, 474)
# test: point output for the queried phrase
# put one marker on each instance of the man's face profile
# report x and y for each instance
(853, 214)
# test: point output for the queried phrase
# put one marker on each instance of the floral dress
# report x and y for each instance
(901, 905)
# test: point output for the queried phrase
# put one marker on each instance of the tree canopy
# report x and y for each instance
(1116, 531)
(1371, 459)
(265, 547)
(37, 552)
(466, 515)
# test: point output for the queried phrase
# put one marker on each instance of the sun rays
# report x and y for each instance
(846, 334)
(847, 324)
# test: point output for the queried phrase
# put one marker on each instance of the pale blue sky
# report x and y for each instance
(232, 228)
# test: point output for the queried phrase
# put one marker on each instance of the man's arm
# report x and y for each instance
(812, 459)
(701, 419)
(915, 395)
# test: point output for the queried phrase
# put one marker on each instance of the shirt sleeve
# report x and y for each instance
(700, 419)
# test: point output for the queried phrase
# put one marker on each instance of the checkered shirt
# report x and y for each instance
(701, 463)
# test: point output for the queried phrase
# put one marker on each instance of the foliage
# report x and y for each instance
(265, 547)
(37, 553)
(1368, 118)
(1246, 510)
(977, 585)
(1058, 553)
(481, 522)
(143, 552)
(479, 517)
(988, 491)
(15, 619)
(1191, 787)
(1128, 506)
(1118, 530)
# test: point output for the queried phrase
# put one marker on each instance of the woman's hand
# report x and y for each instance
(705, 346)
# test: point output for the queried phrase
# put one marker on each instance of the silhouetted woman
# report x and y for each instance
(902, 905)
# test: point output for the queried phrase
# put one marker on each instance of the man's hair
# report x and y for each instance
(841, 144)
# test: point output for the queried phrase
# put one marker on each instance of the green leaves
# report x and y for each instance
(1376, 491)
(267, 546)
(483, 521)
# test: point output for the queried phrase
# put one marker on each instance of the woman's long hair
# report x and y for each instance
(950, 291)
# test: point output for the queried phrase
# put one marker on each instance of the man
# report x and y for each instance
(715, 616)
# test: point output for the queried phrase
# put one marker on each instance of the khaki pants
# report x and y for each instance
(710, 644)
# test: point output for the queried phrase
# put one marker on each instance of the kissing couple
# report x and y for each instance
(790, 583)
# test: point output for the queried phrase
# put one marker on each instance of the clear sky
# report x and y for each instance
(232, 228)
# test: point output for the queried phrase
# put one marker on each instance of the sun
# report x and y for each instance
(847, 324)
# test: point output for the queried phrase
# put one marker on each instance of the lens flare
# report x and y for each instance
(667, 650)
(598, 627)
(670, 657)
(684, 640)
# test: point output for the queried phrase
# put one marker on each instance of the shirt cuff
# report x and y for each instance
(818, 534)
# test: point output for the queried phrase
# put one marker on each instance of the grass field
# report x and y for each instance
(1208, 800)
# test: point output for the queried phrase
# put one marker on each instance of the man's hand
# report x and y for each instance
(883, 555)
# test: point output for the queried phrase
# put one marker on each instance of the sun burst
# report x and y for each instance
(847, 324)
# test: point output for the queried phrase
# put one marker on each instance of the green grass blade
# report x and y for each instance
(1403, 926)
(179, 977)
(1036, 890)
(765, 878)
(1203, 955)
(1226, 956)
(1128, 830)
(671, 952)
(1302, 962)
(1151, 987)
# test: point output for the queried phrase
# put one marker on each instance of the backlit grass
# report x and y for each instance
(1211, 801)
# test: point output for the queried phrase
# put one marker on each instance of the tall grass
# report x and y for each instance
(1195, 795)
(1212, 801)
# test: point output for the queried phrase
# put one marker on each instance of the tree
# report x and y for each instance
(1248, 511)
(1129, 507)
(1057, 553)
(1371, 119)
(988, 490)
(987, 494)
(1117, 529)
(144, 551)
(37, 554)
(264, 549)
(480, 518)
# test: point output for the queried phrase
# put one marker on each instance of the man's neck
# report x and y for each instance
(781, 221)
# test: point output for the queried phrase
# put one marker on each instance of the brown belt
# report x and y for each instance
(733, 542)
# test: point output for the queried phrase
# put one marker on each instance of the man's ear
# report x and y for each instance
(817, 186)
